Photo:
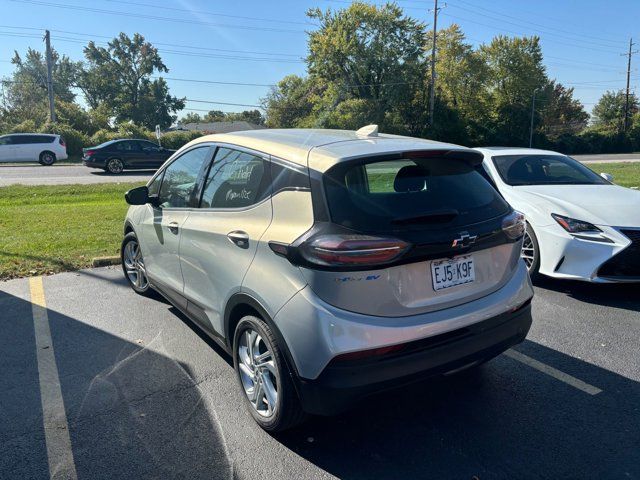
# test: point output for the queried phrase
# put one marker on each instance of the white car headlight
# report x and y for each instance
(572, 225)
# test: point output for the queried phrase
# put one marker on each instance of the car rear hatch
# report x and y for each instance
(407, 233)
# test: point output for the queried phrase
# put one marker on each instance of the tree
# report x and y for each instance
(515, 71)
(608, 113)
(120, 76)
(251, 116)
(289, 103)
(191, 117)
(461, 91)
(560, 113)
(368, 53)
(26, 89)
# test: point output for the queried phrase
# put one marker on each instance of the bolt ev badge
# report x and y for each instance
(464, 241)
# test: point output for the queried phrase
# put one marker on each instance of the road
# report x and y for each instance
(70, 174)
(65, 175)
(132, 390)
(609, 158)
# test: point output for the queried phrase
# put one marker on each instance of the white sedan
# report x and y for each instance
(580, 225)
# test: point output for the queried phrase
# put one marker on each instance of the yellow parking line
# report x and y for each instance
(553, 372)
(56, 428)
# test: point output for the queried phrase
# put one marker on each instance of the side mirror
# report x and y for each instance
(607, 176)
(137, 196)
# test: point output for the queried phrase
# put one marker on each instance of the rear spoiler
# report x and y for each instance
(470, 156)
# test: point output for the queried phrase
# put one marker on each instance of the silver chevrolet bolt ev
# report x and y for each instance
(331, 264)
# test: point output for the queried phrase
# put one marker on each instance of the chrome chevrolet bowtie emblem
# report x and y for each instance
(464, 241)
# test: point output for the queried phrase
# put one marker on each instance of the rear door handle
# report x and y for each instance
(173, 227)
(240, 238)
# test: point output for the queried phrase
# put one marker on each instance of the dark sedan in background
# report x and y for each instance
(117, 155)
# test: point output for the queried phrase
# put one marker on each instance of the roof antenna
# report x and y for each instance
(368, 131)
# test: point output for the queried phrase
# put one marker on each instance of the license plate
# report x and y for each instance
(451, 272)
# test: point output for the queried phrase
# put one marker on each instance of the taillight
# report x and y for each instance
(352, 250)
(88, 153)
(513, 225)
(62, 142)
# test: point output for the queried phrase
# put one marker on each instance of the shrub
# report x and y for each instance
(28, 126)
(177, 139)
(74, 139)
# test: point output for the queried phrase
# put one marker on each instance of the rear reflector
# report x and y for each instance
(374, 352)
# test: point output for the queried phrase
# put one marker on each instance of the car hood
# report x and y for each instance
(598, 204)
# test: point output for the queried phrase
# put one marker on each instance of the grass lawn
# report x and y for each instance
(48, 229)
(624, 174)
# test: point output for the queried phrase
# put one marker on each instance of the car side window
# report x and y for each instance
(18, 140)
(128, 146)
(149, 147)
(236, 179)
(5, 141)
(154, 186)
(180, 177)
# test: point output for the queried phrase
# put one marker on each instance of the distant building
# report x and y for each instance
(217, 127)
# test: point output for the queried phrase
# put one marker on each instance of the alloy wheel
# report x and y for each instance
(115, 165)
(258, 372)
(528, 252)
(134, 265)
(47, 159)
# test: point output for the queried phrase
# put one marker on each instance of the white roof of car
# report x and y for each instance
(327, 146)
(514, 151)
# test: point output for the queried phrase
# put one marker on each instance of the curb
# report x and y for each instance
(105, 261)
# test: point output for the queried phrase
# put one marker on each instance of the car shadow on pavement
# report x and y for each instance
(618, 295)
(132, 410)
(503, 420)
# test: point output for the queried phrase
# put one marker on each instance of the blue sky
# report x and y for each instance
(259, 42)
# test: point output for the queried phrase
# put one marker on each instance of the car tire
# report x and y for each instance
(272, 415)
(47, 159)
(133, 265)
(114, 166)
(531, 252)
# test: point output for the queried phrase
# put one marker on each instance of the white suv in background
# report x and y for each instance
(43, 148)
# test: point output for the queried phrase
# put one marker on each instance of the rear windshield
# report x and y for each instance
(377, 196)
(544, 170)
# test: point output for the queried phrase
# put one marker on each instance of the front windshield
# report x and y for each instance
(544, 170)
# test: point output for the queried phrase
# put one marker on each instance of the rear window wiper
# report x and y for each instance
(438, 216)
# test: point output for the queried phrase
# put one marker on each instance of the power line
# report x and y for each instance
(521, 22)
(154, 17)
(223, 103)
(178, 45)
(520, 34)
(202, 12)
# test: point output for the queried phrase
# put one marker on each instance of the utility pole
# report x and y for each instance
(533, 110)
(626, 101)
(433, 62)
(52, 112)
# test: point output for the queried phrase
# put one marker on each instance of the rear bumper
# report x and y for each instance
(342, 384)
(93, 163)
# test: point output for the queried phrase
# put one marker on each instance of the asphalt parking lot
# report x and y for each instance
(103, 383)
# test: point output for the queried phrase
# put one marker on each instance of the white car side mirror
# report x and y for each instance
(607, 176)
